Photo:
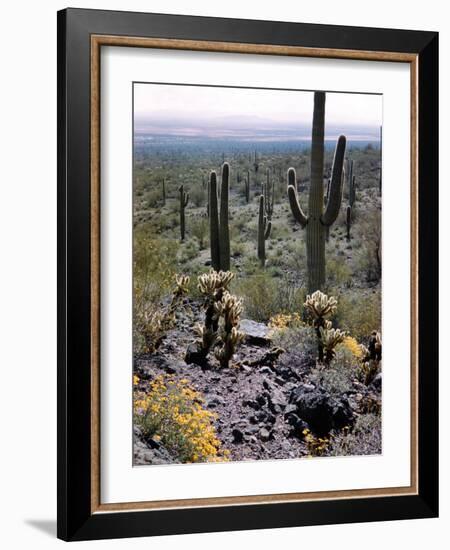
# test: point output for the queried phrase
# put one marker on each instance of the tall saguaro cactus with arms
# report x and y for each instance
(318, 218)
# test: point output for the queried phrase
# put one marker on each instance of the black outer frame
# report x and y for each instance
(75, 521)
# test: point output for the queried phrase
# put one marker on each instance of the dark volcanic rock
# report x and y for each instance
(238, 435)
(322, 411)
(255, 333)
(195, 354)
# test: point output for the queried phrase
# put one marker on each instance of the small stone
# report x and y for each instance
(238, 435)
(264, 434)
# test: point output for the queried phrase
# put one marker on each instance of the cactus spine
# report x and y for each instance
(184, 199)
(218, 223)
(264, 228)
(318, 218)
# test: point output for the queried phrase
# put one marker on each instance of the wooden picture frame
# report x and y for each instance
(81, 35)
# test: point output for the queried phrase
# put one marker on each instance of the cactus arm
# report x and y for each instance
(214, 222)
(295, 204)
(337, 178)
(291, 178)
(224, 232)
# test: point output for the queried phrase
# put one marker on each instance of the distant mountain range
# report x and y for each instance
(246, 128)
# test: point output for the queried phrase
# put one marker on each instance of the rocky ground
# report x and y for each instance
(264, 400)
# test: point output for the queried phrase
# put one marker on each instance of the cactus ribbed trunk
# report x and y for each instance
(264, 229)
(214, 222)
(224, 232)
(315, 231)
(164, 191)
(184, 199)
(219, 231)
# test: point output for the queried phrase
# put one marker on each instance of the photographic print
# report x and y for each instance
(257, 274)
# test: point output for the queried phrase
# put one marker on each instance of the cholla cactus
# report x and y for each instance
(375, 346)
(180, 290)
(149, 324)
(320, 306)
(229, 310)
(154, 323)
(367, 371)
(330, 338)
(212, 285)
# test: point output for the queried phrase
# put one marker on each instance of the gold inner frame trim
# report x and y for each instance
(97, 41)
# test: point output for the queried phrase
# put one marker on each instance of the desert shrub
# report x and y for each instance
(257, 292)
(171, 411)
(337, 378)
(152, 198)
(199, 228)
(363, 439)
(237, 248)
(297, 260)
(338, 272)
(197, 195)
(351, 345)
(299, 340)
(317, 446)
(265, 295)
(282, 321)
(153, 265)
(368, 255)
(188, 251)
(359, 314)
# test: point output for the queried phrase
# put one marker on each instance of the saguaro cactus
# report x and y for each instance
(218, 223)
(348, 221)
(184, 199)
(351, 183)
(352, 192)
(269, 196)
(318, 218)
(247, 188)
(255, 163)
(264, 228)
(163, 185)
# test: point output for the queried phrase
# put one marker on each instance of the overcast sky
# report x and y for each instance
(194, 110)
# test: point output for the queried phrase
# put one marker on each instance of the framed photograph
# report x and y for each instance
(248, 301)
